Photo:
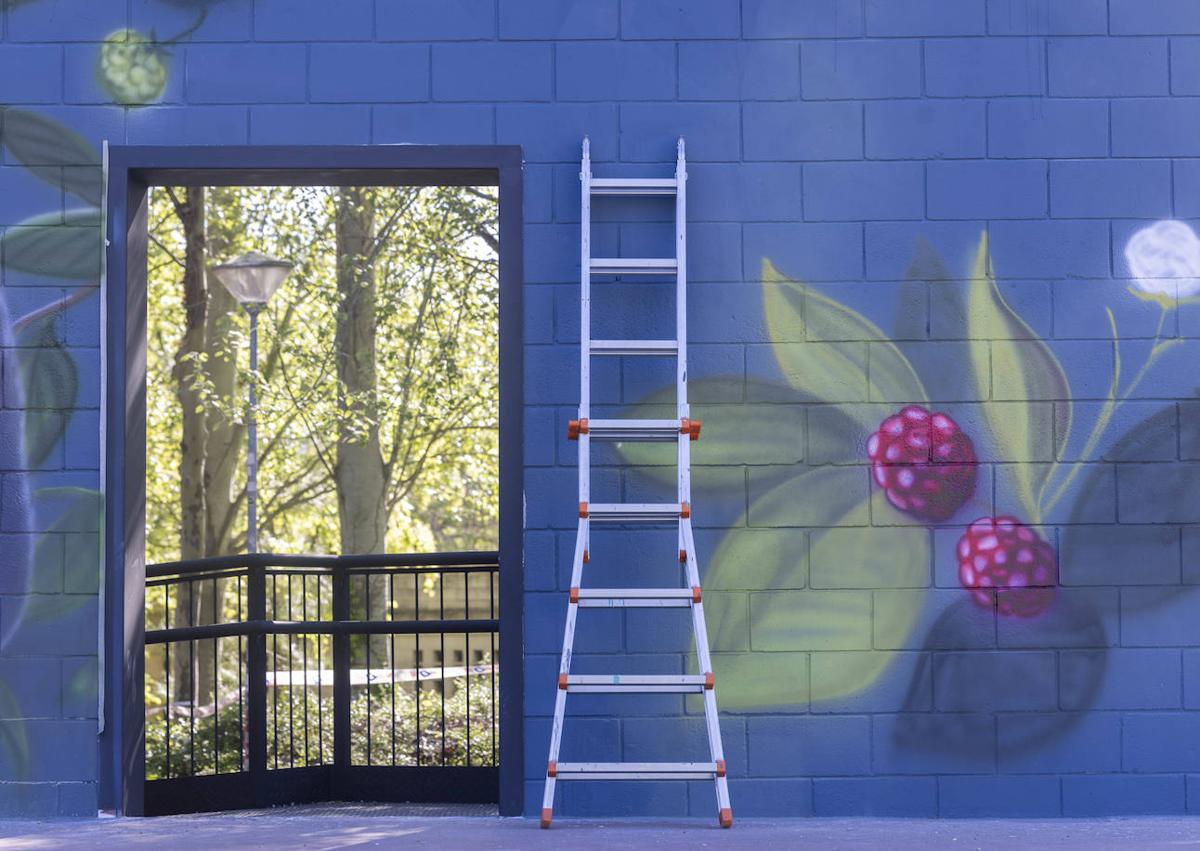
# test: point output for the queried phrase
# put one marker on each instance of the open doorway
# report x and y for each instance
(313, 578)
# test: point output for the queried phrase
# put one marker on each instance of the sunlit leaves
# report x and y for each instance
(436, 380)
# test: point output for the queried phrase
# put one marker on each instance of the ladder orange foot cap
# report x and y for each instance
(586, 557)
(546, 815)
(709, 681)
(552, 770)
(562, 681)
(726, 817)
(683, 556)
(574, 595)
(720, 768)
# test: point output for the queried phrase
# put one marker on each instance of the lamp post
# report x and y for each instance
(252, 279)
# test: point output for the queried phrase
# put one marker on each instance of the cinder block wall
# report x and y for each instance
(886, 159)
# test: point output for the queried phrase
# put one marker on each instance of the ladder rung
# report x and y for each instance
(636, 683)
(633, 265)
(633, 512)
(636, 597)
(644, 430)
(633, 186)
(633, 347)
(635, 770)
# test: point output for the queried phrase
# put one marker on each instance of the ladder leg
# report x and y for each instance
(564, 668)
(704, 660)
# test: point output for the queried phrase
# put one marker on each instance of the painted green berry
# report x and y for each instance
(132, 68)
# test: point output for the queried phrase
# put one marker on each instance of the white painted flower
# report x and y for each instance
(1164, 259)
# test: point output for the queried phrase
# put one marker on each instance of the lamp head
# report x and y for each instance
(252, 278)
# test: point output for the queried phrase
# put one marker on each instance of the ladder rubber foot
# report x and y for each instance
(726, 817)
(547, 815)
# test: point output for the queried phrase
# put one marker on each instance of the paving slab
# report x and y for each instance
(454, 827)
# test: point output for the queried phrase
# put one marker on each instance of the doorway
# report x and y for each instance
(242, 774)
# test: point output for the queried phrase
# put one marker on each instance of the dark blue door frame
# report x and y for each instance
(132, 170)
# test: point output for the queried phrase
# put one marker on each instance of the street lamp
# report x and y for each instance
(252, 279)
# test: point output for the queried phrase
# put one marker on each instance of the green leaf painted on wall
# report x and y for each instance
(926, 268)
(830, 353)
(77, 533)
(732, 433)
(14, 739)
(54, 247)
(51, 382)
(782, 613)
(1011, 363)
(54, 153)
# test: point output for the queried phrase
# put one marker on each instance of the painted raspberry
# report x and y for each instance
(1003, 561)
(924, 462)
(132, 68)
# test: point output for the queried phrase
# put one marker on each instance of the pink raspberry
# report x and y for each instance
(1003, 561)
(924, 463)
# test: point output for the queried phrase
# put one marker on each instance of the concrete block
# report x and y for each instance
(368, 73)
(970, 67)
(925, 129)
(1108, 67)
(492, 72)
(1039, 127)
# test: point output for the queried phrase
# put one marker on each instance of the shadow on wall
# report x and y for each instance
(838, 581)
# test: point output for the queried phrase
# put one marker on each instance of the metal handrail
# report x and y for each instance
(345, 562)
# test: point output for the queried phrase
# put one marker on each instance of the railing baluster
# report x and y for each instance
(291, 689)
(341, 672)
(391, 615)
(216, 688)
(256, 673)
(304, 652)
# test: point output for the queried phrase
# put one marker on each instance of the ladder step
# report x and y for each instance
(633, 347)
(635, 770)
(634, 186)
(641, 430)
(631, 598)
(633, 266)
(637, 683)
(634, 512)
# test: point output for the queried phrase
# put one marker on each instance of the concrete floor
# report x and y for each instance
(380, 826)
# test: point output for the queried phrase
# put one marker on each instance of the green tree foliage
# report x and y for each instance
(437, 304)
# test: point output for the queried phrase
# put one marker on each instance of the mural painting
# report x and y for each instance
(836, 574)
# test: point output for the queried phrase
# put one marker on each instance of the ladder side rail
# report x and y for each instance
(564, 665)
(703, 657)
(712, 722)
(683, 455)
(585, 317)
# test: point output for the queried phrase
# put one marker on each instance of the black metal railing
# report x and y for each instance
(298, 678)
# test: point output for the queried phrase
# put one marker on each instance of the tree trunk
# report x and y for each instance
(189, 678)
(359, 472)
(226, 438)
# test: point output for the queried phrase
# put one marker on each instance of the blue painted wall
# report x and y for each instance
(889, 159)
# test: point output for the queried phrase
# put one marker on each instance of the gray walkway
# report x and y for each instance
(363, 826)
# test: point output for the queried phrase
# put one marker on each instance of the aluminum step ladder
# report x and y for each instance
(682, 431)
